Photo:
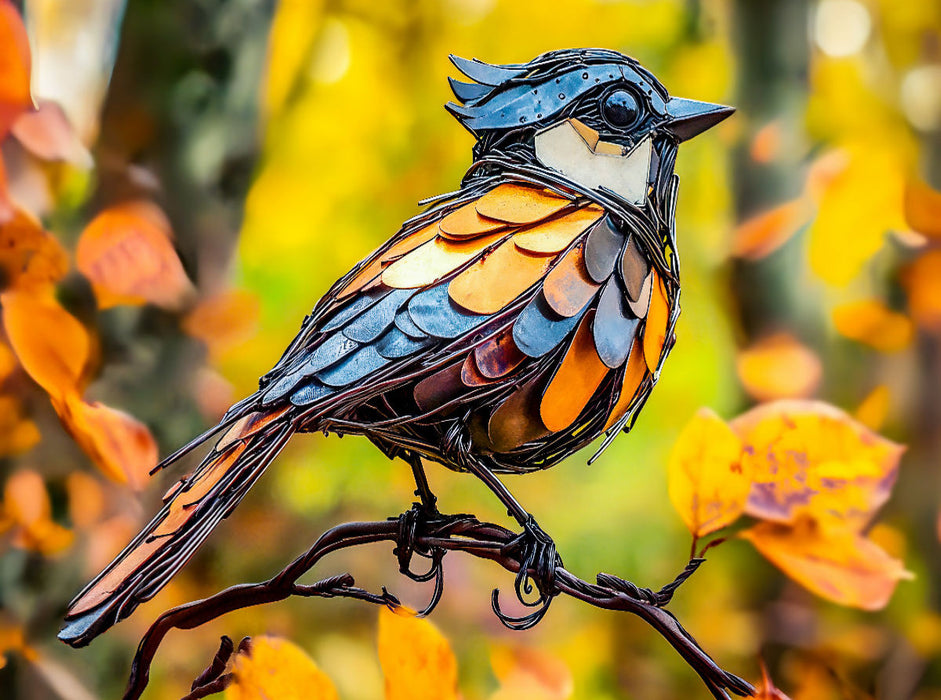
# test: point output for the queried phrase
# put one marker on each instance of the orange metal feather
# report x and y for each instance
(433, 260)
(467, 223)
(634, 374)
(520, 204)
(498, 278)
(516, 421)
(556, 234)
(374, 269)
(575, 381)
(568, 287)
(658, 315)
(498, 356)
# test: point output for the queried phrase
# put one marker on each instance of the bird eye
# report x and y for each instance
(620, 109)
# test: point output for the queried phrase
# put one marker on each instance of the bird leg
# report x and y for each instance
(537, 553)
(428, 499)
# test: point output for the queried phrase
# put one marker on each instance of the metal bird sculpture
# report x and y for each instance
(505, 327)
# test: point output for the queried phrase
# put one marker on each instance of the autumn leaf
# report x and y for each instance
(223, 320)
(276, 669)
(416, 658)
(873, 409)
(778, 367)
(6, 204)
(764, 233)
(810, 458)
(121, 446)
(922, 282)
(766, 144)
(858, 206)
(707, 481)
(13, 640)
(923, 208)
(531, 674)
(47, 133)
(766, 689)
(839, 565)
(27, 513)
(51, 345)
(29, 256)
(17, 433)
(871, 322)
(14, 67)
(127, 254)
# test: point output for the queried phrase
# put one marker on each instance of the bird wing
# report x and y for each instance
(517, 281)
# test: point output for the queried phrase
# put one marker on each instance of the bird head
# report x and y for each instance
(595, 116)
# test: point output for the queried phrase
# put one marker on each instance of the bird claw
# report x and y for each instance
(538, 562)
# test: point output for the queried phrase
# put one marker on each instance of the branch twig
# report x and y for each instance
(430, 538)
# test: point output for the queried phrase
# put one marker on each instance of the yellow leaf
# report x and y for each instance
(874, 408)
(707, 483)
(51, 345)
(121, 446)
(416, 659)
(766, 689)
(857, 208)
(837, 564)
(810, 458)
(127, 253)
(922, 281)
(871, 322)
(778, 367)
(277, 669)
(17, 434)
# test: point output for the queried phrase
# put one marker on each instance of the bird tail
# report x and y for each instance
(192, 508)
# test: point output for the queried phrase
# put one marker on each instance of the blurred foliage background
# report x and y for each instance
(285, 140)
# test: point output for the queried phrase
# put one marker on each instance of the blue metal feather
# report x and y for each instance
(310, 393)
(433, 312)
(539, 329)
(353, 368)
(614, 326)
(373, 322)
(395, 344)
(485, 73)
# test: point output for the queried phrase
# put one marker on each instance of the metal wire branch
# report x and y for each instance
(429, 537)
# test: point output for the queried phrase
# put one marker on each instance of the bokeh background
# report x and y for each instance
(285, 140)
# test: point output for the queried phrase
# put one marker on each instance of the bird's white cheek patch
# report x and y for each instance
(574, 150)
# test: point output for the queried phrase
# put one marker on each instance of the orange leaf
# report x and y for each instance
(51, 345)
(17, 434)
(278, 669)
(764, 233)
(416, 659)
(766, 144)
(531, 674)
(766, 689)
(29, 256)
(707, 484)
(810, 458)
(223, 320)
(127, 253)
(778, 367)
(47, 133)
(923, 208)
(871, 322)
(14, 67)
(6, 204)
(121, 446)
(922, 281)
(26, 507)
(836, 564)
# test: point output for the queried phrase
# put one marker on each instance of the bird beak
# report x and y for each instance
(689, 118)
